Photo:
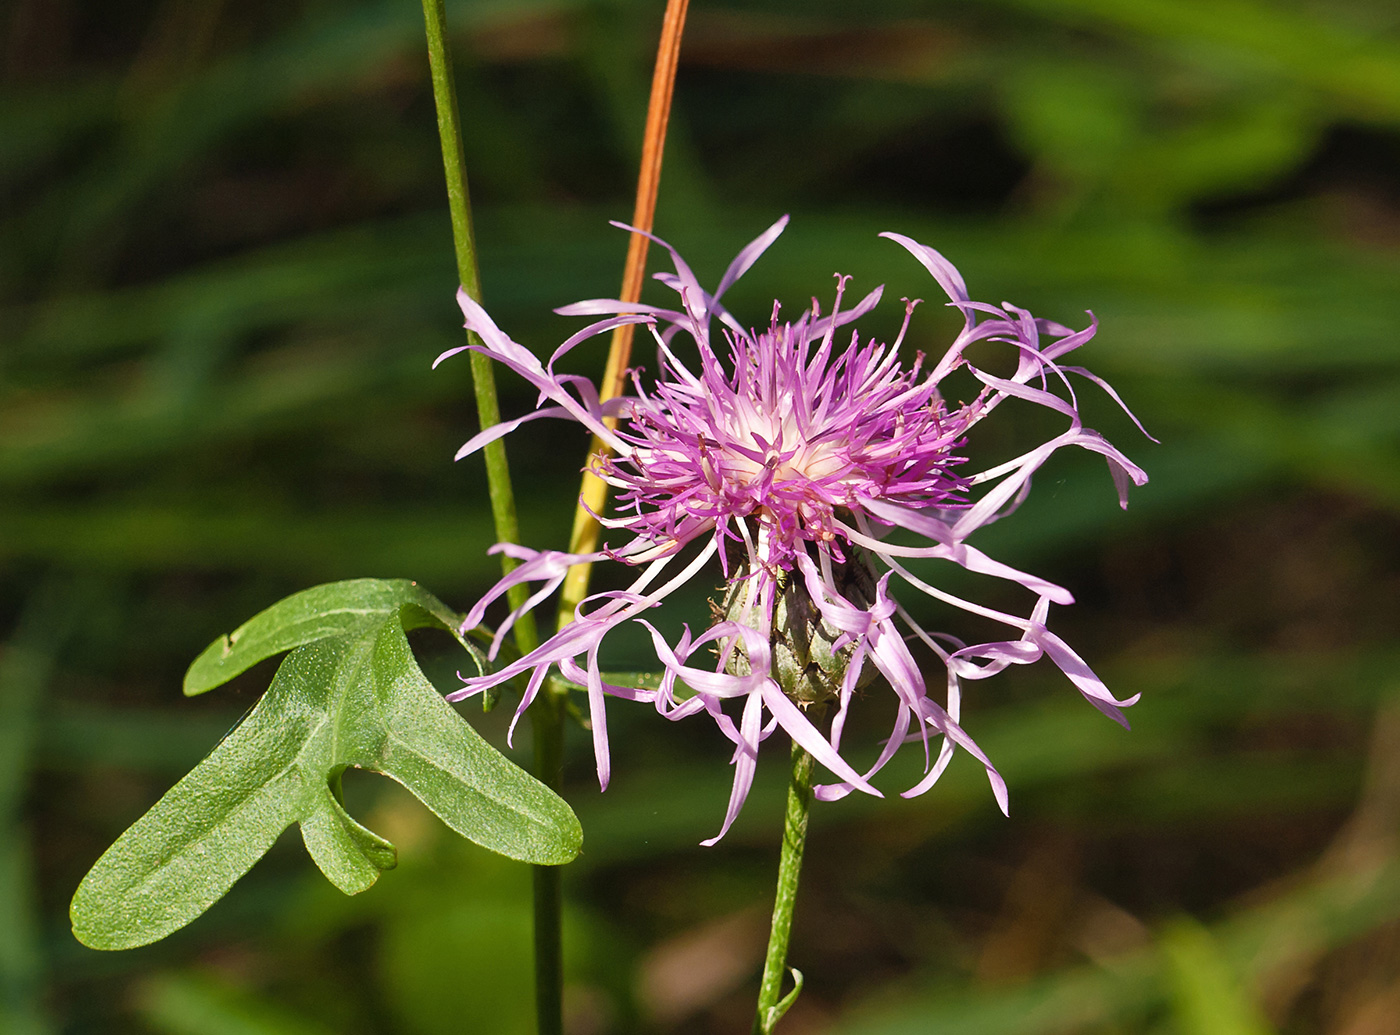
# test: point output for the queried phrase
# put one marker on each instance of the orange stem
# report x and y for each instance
(593, 491)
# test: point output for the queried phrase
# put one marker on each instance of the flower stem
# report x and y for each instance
(593, 492)
(799, 800)
(464, 241)
(548, 728)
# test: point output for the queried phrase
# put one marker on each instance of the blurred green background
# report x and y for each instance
(226, 266)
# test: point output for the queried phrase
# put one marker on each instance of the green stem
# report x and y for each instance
(464, 241)
(548, 727)
(546, 715)
(799, 800)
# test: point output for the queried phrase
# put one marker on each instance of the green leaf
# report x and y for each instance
(335, 609)
(353, 697)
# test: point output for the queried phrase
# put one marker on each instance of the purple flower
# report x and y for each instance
(789, 460)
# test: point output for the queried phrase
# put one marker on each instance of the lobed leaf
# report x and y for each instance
(335, 609)
(350, 693)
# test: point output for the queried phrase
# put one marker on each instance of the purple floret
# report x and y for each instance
(789, 461)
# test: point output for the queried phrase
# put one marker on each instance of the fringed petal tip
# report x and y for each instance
(464, 693)
(449, 354)
(829, 791)
(1114, 709)
(1000, 792)
(994, 778)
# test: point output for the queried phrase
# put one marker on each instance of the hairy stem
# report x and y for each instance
(799, 800)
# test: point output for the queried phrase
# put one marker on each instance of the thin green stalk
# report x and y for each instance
(548, 726)
(546, 718)
(498, 482)
(799, 801)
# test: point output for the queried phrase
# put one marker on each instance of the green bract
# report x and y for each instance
(350, 693)
(807, 663)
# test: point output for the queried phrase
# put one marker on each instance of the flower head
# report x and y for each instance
(789, 459)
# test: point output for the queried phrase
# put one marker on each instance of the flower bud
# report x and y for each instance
(806, 661)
